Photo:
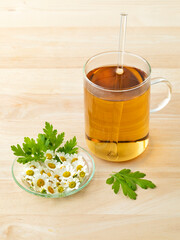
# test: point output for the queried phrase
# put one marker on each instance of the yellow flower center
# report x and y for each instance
(82, 174)
(50, 189)
(79, 167)
(66, 174)
(51, 165)
(33, 166)
(72, 184)
(49, 156)
(60, 189)
(49, 174)
(57, 184)
(40, 182)
(74, 159)
(42, 171)
(30, 172)
(63, 158)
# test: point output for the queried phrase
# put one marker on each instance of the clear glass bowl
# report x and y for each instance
(17, 169)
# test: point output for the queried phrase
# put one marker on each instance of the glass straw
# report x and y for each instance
(122, 36)
(120, 63)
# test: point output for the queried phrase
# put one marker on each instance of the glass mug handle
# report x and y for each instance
(167, 98)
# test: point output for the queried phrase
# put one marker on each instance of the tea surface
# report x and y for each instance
(107, 77)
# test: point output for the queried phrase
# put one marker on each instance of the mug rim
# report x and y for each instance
(122, 90)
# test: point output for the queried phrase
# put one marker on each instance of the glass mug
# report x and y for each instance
(117, 121)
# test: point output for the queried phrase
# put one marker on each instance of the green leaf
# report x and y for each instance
(145, 183)
(58, 159)
(131, 183)
(69, 147)
(137, 175)
(42, 142)
(29, 146)
(110, 180)
(48, 130)
(127, 190)
(116, 186)
(125, 171)
(128, 181)
(24, 159)
(50, 134)
(32, 149)
(59, 140)
(17, 150)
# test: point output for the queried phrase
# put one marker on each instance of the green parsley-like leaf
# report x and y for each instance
(69, 146)
(17, 150)
(128, 181)
(145, 183)
(110, 180)
(116, 186)
(29, 151)
(25, 159)
(35, 150)
(127, 190)
(50, 134)
(43, 142)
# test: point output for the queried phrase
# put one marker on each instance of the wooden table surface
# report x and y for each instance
(43, 46)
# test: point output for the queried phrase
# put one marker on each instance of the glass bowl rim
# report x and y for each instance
(58, 195)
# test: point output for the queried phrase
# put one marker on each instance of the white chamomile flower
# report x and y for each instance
(49, 154)
(67, 172)
(69, 157)
(74, 159)
(30, 173)
(39, 182)
(50, 187)
(27, 179)
(79, 164)
(83, 173)
(51, 164)
(60, 189)
(34, 165)
(72, 184)
(27, 176)
(63, 157)
(75, 155)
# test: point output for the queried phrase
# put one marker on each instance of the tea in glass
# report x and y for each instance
(117, 105)
(117, 129)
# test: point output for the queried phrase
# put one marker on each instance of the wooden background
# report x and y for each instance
(43, 46)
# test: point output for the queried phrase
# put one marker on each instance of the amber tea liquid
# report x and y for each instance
(117, 124)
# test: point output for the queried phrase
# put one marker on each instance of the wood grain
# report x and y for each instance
(58, 47)
(43, 46)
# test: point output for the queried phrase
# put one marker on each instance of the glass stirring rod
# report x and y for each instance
(122, 36)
